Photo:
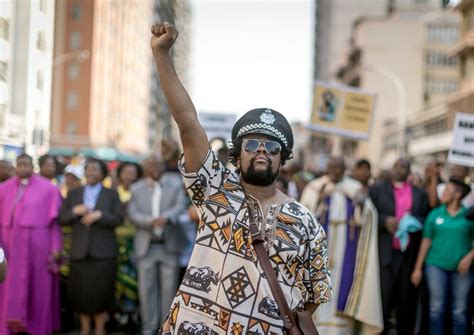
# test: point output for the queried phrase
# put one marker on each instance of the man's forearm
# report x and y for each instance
(180, 104)
(193, 136)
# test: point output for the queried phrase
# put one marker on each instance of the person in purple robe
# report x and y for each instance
(31, 239)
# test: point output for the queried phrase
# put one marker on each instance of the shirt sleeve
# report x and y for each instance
(317, 278)
(200, 183)
(429, 222)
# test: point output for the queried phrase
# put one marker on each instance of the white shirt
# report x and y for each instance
(155, 206)
(2, 255)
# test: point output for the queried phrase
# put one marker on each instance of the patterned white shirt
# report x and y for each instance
(224, 290)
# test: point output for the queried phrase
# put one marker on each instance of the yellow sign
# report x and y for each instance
(342, 110)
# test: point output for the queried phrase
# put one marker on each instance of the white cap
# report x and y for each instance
(76, 170)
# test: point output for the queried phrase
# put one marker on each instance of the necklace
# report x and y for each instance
(267, 223)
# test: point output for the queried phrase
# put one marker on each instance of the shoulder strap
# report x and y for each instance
(257, 242)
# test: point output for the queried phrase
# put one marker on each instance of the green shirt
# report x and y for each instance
(452, 237)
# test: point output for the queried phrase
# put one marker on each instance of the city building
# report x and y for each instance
(160, 124)
(333, 30)
(403, 58)
(102, 67)
(432, 131)
(26, 49)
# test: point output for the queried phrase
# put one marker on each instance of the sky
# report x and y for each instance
(248, 54)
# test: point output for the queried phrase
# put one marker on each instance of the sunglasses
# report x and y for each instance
(271, 147)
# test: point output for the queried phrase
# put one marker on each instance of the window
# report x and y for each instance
(434, 58)
(431, 127)
(72, 101)
(442, 85)
(40, 80)
(42, 5)
(435, 127)
(3, 71)
(71, 128)
(3, 28)
(470, 19)
(75, 40)
(3, 111)
(41, 41)
(73, 71)
(38, 136)
(76, 11)
(443, 34)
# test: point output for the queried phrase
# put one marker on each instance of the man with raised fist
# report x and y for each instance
(225, 289)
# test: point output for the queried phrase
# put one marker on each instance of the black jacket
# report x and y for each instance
(384, 200)
(98, 240)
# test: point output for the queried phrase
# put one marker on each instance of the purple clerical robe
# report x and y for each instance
(29, 234)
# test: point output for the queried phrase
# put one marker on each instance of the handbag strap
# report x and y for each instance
(257, 242)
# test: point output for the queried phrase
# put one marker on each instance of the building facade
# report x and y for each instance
(26, 61)
(333, 32)
(404, 58)
(161, 125)
(101, 76)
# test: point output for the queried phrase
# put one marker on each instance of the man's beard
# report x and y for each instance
(259, 178)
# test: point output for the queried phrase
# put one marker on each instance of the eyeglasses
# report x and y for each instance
(271, 147)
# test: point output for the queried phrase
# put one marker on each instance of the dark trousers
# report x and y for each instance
(398, 293)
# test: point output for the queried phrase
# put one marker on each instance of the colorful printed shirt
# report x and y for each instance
(224, 290)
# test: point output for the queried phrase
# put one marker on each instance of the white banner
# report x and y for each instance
(461, 151)
(217, 125)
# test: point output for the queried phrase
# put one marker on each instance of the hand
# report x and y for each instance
(430, 172)
(54, 261)
(465, 264)
(193, 214)
(159, 223)
(164, 36)
(92, 217)
(56, 256)
(416, 277)
(391, 224)
(80, 210)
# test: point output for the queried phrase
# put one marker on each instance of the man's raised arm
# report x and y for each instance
(193, 136)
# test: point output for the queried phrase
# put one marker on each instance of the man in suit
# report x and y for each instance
(393, 200)
(157, 201)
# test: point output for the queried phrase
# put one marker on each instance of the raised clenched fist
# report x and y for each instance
(164, 36)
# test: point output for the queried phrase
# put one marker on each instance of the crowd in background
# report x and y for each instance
(104, 250)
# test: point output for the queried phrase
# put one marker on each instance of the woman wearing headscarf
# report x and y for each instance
(94, 212)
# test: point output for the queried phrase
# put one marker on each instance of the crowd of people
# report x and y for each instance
(115, 265)
(84, 246)
(130, 249)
